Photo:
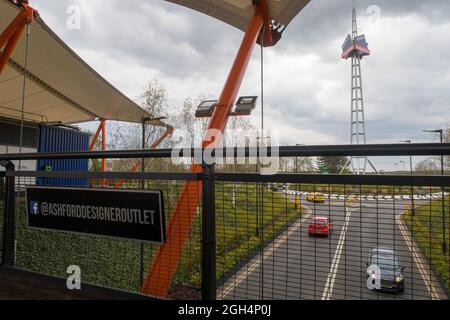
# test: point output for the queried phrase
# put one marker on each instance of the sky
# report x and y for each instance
(406, 79)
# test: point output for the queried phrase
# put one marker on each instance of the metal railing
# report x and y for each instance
(250, 239)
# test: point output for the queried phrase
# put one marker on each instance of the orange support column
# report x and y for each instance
(167, 257)
(103, 125)
(11, 35)
(101, 129)
(94, 140)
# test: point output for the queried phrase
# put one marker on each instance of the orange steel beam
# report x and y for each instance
(168, 255)
(168, 132)
(101, 129)
(94, 140)
(11, 35)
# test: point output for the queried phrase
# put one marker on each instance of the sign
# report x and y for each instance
(126, 214)
(348, 43)
(361, 41)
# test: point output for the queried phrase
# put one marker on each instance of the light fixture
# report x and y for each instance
(433, 131)
(205, 109)
(245, 105)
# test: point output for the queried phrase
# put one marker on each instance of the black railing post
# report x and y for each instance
(9, 218)
(208, 234)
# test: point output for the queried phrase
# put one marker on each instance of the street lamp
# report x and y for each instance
(245, 105)
(441, 134)
(403, 164)
(413, 209)
(145, 120)
(296, 171)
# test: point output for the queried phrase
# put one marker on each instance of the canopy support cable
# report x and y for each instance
(25, 66)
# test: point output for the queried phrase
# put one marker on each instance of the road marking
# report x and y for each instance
(256, 261)
(423, 272)
(329, 286)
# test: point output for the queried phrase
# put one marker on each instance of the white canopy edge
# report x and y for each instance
(62, 88)
(239, 12)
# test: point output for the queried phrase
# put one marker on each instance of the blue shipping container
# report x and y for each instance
(57, 139)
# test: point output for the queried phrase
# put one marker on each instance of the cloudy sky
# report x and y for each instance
(307, 85)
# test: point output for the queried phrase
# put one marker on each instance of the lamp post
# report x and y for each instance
(298, 186)
(403, 164)
(413, 206)
(144, 121)
(441, 134)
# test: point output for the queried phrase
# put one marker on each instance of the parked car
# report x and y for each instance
(315, 197)
(391, 271)
(320, 226)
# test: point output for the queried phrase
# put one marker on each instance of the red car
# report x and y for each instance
(320, 226)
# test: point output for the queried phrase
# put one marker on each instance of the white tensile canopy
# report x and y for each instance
(239, 12)
(61, 87)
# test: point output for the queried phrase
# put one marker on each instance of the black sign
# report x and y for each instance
(130, 214)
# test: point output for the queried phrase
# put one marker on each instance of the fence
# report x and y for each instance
(251, 236)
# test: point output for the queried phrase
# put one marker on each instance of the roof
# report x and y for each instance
(62, 87)
(239, 12)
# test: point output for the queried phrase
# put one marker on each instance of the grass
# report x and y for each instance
(426, 227)
(116, 263)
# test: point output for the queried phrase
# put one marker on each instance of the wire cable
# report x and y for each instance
(22, 118)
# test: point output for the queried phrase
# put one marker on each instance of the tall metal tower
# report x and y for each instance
(356, 47)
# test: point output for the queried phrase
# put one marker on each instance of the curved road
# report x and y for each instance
(296, 266)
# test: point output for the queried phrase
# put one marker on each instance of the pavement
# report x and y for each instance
(298, 267)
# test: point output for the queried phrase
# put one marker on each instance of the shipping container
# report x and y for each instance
(10, 144)
(58, 139)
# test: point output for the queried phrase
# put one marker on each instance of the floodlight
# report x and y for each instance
(245, 105)
(205, 109)
(433, 131)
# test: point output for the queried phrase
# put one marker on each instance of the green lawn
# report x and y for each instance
(426, 226)
(116, 263)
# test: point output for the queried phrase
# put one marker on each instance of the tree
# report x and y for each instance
(304, 164)
(189, 129)
(427, 166)
(333, 165)
(128, 136)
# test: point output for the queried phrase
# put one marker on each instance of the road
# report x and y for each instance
(296, 266)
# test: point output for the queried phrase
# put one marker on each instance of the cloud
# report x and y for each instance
(306, 84)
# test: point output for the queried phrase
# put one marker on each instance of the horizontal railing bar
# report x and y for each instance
(430, 181)
(182, 176)
(436, 181)
(424, 149)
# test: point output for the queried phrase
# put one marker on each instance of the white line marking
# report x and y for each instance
(256, 261)
(423, 272)
(329, 286)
